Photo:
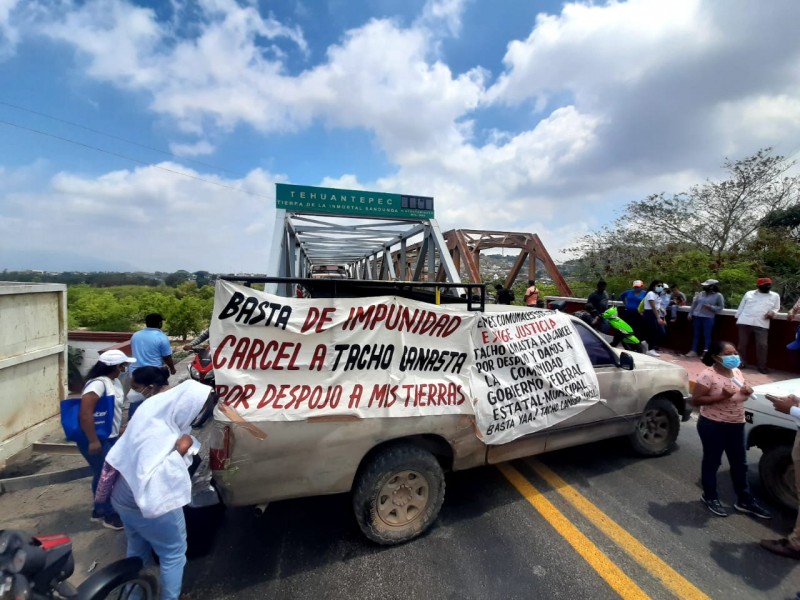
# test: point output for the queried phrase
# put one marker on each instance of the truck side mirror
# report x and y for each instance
(626, 361)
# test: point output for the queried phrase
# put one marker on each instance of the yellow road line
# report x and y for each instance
(611, 573)
(676, 583)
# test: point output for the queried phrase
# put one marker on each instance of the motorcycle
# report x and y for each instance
(610, 323)
(201, 369)
(37, 568)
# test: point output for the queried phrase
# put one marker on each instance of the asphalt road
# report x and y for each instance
(589, 522)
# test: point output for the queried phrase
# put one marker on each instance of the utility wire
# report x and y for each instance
(112, 136)
(135, 160)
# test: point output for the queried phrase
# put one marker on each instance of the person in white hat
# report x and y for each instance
(102, 380)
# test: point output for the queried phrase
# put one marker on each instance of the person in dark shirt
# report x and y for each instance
(599, 298)
(503, 295)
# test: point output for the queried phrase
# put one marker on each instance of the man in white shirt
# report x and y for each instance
(752, 318)
(789, 546)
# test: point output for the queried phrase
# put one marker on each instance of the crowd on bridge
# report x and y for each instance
(142, 469)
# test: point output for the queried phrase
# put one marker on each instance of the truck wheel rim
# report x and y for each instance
(403, 498)
(654, 427)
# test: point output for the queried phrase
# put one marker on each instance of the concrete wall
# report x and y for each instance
(93, 343)
(33, 362)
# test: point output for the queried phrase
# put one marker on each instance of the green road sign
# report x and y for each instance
(352, 203)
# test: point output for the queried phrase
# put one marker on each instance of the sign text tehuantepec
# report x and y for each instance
(353, 203)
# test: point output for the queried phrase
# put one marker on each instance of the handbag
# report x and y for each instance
(103, 417)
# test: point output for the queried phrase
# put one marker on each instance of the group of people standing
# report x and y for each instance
(648, 311)
(753, 316)
(141, 472)
(504, 295)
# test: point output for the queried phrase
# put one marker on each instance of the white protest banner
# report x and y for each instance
(286, 359)
(530, 372)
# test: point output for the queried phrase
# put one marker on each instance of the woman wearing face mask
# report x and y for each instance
(653, 321)
(146, 382)
(102, 379)
(720, 392)
(153, 481)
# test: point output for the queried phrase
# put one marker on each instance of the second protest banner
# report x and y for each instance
(530, 372)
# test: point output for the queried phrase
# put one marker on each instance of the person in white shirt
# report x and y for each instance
(752, 319)
(789, 546)
(652, 317)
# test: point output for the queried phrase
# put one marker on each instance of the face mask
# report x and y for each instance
(731, 361)
(764, 288)
(659, 289)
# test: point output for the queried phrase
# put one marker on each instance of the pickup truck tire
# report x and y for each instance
(656, 429)
(398, 494)
(776, 471)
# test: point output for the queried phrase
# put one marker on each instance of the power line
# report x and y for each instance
(135, 160)
(115, 137)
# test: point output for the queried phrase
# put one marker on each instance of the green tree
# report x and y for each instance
(711, 230)
(719, 217)
(176, 278)
(188, 317)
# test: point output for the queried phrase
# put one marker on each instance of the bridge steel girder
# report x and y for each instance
(465, 245)
(372, 249)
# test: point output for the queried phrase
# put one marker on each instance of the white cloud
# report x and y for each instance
(8, 33)
(628, 98)
(203, 147)
(445, 12)
(160, 217)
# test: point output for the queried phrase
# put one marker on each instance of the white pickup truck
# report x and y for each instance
(774, 434)
(395, 467)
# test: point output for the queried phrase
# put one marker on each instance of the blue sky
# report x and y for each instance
(149, 135)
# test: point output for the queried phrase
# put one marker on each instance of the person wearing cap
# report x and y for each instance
(103, 379)
(702, 314)
(631, 299)
(753, 318)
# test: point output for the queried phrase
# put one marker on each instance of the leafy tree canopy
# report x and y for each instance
(733, 230)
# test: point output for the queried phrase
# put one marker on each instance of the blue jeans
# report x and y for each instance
(718, 437)
(96, 464)
(702, 328)
(164, 535)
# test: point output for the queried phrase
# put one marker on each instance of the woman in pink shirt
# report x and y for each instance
(720, 392)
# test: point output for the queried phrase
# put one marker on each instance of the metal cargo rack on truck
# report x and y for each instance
(424, 291)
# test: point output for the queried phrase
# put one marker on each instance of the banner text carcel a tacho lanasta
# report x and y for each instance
(287, 359)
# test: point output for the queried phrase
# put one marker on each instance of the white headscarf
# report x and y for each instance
(145, 454)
